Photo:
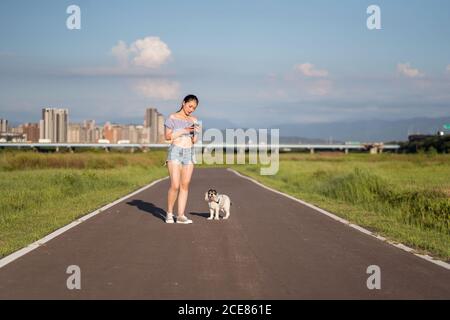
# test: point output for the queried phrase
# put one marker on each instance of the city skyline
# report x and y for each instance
(55, 126)
(368, 130)
(103, 121)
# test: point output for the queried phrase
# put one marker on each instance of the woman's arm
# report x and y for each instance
(170, 135)
(167, 133)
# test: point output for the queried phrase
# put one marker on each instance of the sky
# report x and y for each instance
(252, 63)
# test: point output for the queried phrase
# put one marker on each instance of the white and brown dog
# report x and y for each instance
(217, 202)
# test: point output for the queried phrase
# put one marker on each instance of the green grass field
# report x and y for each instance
(402, 197)
(43, 192)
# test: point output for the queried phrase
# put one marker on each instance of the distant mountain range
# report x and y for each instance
(365, 130)
(332, 132)
(357, 131)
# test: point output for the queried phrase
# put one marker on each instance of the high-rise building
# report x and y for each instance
(133, 134)
(112, 132)
(75, 134)
(85, 132)
(89, 131)
(107, 131)
(148, 116)
(130, 133)
(161, 138)
(54, 125)
(125, 132)
(145, 135)
(117, 133)
(98, 133)
(3, 125)
(31, 131)
(151, 122)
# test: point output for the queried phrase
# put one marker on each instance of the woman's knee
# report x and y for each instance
(184, 186)
(174, 186)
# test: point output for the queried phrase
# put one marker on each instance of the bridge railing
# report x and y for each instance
(283, 147)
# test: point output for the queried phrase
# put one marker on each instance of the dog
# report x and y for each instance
(217, 202)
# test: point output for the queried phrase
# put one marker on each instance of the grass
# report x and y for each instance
(402, 197)
(43, 192)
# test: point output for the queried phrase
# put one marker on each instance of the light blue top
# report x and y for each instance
(178, 124)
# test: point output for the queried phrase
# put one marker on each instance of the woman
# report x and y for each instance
(181, 129)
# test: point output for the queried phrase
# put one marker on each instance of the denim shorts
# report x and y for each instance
(181, 155)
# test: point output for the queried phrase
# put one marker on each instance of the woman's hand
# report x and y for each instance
(189, 130)
(194, 135)
(195, 128)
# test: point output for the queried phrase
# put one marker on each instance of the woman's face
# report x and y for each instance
(189, 107)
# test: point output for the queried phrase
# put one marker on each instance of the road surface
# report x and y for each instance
(271, 248)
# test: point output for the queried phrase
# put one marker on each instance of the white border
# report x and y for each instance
(354, 226)
(10, 258)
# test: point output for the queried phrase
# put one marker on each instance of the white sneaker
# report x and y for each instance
(169, 218)
(183, 220)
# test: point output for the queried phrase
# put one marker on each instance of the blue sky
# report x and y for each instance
(253, 63)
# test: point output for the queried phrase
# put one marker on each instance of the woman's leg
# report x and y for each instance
(175, 175)
(186, 174)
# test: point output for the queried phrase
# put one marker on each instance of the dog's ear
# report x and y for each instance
(206, 195)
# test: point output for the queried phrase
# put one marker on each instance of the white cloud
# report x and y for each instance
(159, 89)
(149, 52)
(142, 58)
(312, 82)
(406, 70)
(309, 70)
(121, 52)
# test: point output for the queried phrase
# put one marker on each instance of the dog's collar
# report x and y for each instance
(216, 201)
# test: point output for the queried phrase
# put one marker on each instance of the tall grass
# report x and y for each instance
(11, 161)
(403, 197)
(424, 208)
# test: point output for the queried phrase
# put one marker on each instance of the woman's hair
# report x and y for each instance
(188, 98)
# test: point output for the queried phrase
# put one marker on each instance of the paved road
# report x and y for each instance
(271, 248)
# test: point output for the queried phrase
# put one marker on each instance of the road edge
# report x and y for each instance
(21, 252)
(401, 246)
